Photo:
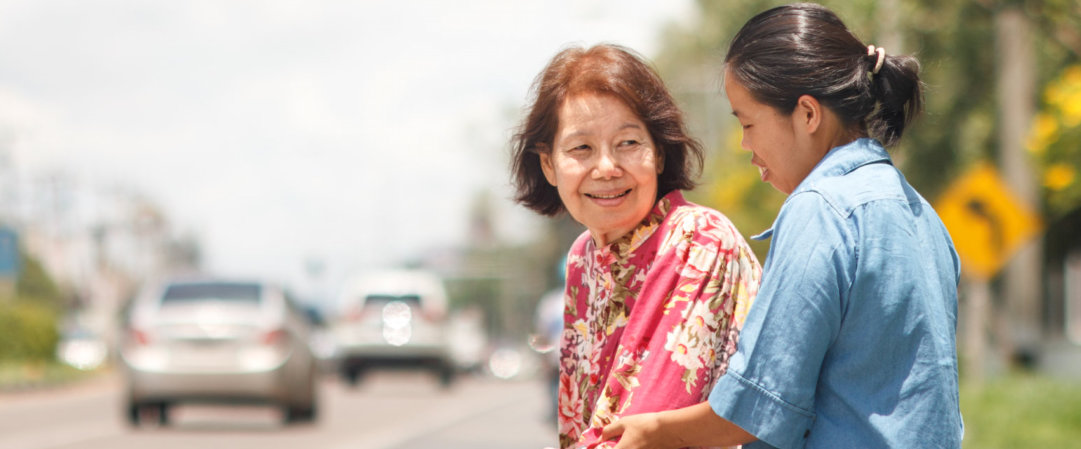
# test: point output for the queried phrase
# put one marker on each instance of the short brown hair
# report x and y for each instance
(606, 69)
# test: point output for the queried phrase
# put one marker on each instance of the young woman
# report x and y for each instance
(657, 287)
(851, 342)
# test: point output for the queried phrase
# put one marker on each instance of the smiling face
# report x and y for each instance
(780, 144)
(604, 165)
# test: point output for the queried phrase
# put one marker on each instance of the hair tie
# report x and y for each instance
(871, 50)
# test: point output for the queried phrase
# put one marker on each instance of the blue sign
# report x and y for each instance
(9, 253)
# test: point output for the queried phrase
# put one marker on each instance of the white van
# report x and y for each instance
(393, 319)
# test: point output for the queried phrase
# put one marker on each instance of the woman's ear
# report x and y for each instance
(808, 113)
(660, 162)
(545, 154)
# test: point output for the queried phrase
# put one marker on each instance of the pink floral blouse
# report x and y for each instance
(651, 319)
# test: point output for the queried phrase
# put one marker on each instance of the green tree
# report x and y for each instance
(35, 285)
(955, 44)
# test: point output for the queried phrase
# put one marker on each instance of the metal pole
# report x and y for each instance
(977, 305)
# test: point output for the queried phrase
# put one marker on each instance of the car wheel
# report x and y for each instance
(446, 375)
(299, 414)
(133, 414)
(304, 410)
(352, 376)
(163, 413)
(137, 413)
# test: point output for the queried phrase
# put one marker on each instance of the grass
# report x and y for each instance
(26, 375)
(1021, 411)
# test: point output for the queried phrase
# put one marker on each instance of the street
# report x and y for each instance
(392, 410)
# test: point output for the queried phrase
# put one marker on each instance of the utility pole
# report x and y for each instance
(1022, 292)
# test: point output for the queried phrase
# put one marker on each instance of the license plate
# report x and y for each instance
(204, 356)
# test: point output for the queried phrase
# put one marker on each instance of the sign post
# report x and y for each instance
(9, 262)
(988, 224)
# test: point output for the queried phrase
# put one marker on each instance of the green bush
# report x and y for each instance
(28, 331)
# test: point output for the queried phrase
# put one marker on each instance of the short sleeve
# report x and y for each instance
(770, 384)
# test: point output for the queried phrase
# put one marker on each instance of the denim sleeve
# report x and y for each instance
(769, 389)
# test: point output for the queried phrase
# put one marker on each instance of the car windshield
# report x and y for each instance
(212, 291)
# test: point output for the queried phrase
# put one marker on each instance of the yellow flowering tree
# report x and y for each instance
(1055, 142)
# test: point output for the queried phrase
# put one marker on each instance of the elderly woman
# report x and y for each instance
(657, 287)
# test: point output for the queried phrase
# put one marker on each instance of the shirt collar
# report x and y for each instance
(839, 161)
(632, 240)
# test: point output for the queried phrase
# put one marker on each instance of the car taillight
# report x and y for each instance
(431, 316)
(355, 313)
(274, 337)
(140, 337)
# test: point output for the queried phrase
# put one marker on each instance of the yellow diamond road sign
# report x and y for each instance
(987, 222)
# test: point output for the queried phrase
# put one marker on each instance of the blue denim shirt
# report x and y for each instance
(851, 340)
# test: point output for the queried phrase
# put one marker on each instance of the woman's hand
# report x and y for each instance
(696, 425)
(639, 432)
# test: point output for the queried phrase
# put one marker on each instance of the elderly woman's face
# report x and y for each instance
(604, 164)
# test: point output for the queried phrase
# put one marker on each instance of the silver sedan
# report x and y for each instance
(211, 340)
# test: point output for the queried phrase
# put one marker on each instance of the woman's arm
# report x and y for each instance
(696, 425)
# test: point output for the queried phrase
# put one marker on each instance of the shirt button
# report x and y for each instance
(807, 433)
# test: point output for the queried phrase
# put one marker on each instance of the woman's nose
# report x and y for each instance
(743, 142)
(607, 166)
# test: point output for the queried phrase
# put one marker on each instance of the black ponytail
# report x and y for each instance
(897, 89)
(805, 49)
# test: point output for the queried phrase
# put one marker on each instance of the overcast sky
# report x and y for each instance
(356, 132)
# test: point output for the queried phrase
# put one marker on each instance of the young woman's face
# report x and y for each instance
(778, 146)
(604, 165)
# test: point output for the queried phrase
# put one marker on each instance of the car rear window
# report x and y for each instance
(413, 300)
(213, 291)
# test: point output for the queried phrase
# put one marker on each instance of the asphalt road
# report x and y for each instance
(388, 411)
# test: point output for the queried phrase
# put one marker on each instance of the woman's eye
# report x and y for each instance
(745, 126)
(579, 148)
(629, 143)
